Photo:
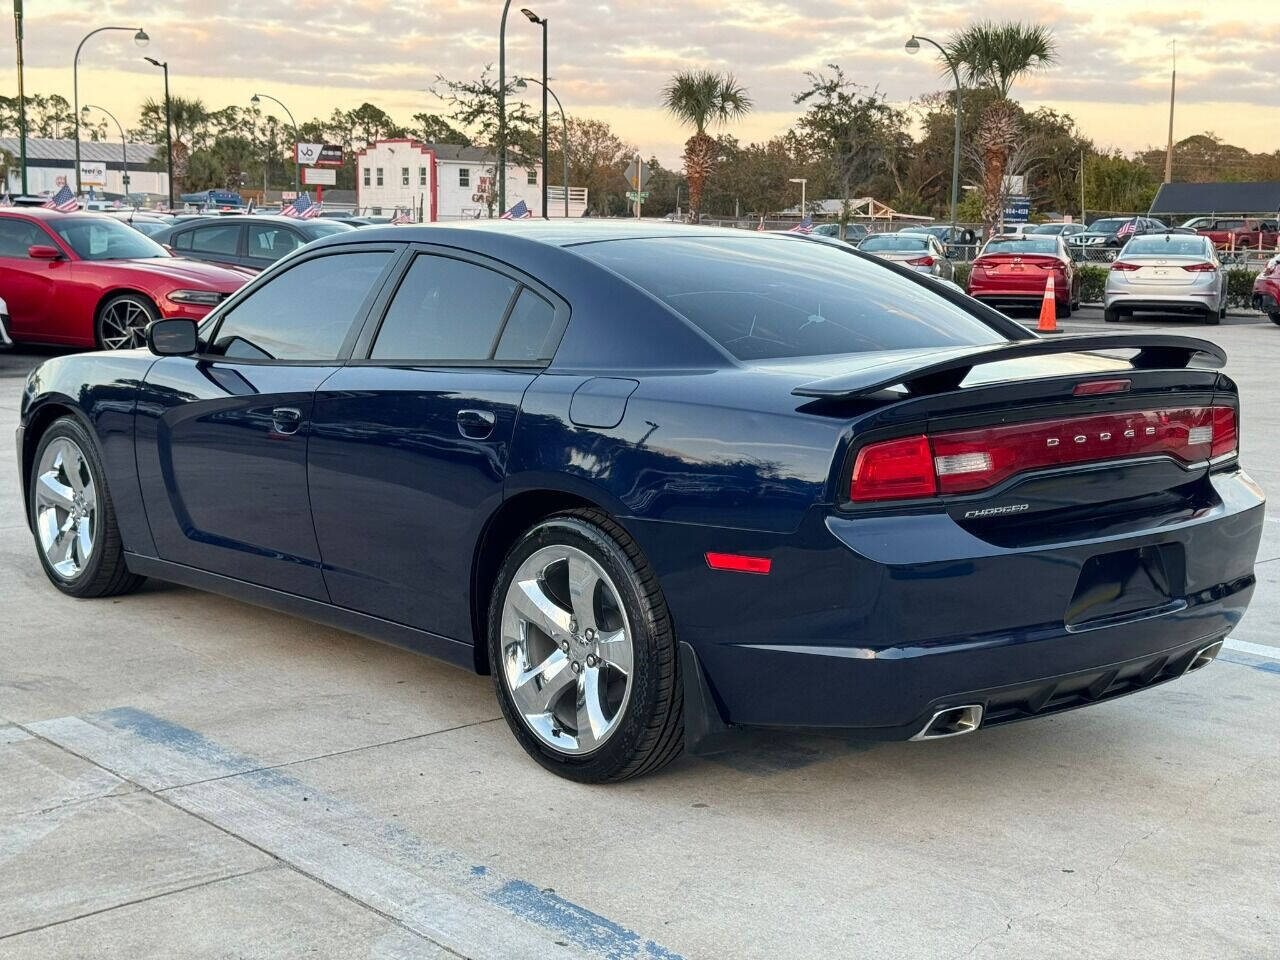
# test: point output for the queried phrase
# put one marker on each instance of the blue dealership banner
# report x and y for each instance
(1017, 210)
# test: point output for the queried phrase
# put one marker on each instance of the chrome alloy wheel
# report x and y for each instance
(124, 325)
(66, 508)
(567, 653)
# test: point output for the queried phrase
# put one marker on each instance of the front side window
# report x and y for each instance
(101, 238)
(303, 313)
(464, 177)
(379, 173)
(772, 297)
(270, 242)
(445, 309)
(17, 236)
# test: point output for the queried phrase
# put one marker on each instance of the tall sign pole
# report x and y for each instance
(1173, 86)
(22, 98)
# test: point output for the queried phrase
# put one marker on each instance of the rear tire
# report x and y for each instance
(72, 517)
(1062, 310)
(559, 663)
(122, 321)
(1275, 318)
(1212, 318)
(1111, 315)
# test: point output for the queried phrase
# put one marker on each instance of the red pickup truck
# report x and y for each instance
(1239, 233)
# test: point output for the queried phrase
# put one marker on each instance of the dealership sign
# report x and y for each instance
(318, 154)
(1017, 209)
(315, 177)
(93, 174)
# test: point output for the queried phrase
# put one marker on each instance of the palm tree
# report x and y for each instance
(701, 99)
(994, 55)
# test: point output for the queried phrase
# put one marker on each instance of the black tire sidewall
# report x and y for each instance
(646, 633)
(138, 298)
(73, 430)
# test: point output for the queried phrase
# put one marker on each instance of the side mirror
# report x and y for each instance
(175, 337)
(43, 251)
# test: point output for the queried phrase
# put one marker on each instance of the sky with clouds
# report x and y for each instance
(610, 60)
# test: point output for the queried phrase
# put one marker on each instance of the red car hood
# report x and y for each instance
(192, 273)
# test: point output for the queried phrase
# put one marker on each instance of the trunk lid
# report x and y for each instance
(1163, 270)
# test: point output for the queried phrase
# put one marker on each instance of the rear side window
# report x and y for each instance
(222, 238)
(524, 338)
(303, 313)
(773, 297)
(16, 236)
(445, 309)
(272, 242)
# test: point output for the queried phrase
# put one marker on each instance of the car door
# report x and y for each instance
(29, 287)
(265, 243)
(221, 242)
(222, 436)
(410, 439)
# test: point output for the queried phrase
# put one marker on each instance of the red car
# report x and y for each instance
(1012, 271)
(1240, 233)
(87, 280)
(1266, 290)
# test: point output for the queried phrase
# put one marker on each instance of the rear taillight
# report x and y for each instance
(1200, 268)
(967, 461)
(1124, 267)
(921, 262)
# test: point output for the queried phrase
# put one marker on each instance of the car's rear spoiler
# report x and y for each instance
(937, 371)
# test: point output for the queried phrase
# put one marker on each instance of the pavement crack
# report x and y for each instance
(115, 791)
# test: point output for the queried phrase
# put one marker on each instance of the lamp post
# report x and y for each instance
(124, 147)
(22, 99)
(523, 82)
(168, 124)
(913, 47)
(804, 183)
(256, 99)
(542, 21)
(502, 108)
(140, 38)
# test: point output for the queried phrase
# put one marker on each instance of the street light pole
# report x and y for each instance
(22, 99)
(140, 38)
(502, 108)
(564, 136)
(804, 183)
(535, 19)
(913, 46)
(297, 137)
(124, 147)
(168, 124)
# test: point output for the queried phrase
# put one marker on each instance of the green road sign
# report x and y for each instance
(641, 195)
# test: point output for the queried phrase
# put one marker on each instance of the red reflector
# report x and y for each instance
(894, 470)
(921, 262)
(1124, 267)
(739, 563)
(1095, 387)
(1225, 437)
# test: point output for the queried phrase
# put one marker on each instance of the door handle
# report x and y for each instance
(286, 420)
(476, 424)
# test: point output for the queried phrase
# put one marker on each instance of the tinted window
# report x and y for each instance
(271, 241)
(17, 235)
(1108, 226)
(149, 228)
(101, 238)
(1049, 228)
(1028, 244)
(303, 313)
(218, 238)
(763, 298)
(524, 338)
(1174, 245)
(893, 241)
(445, 309)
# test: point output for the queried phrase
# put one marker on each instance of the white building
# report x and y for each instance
(51, 164)
(439, 181)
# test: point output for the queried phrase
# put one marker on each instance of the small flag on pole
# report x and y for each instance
(301, 208)
(520, 211)
(804, 226)
(63, 200)
(1127, 230)
(401, 217)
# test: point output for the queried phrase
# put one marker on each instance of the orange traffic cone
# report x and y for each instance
(1048, 309)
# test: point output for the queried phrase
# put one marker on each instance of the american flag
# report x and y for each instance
(401, 217)
(520, 211)
(1127, 230)
(301, 208)
(804, 226)
(63, 200)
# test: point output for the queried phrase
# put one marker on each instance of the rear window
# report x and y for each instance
(1028, 244)
(893, 241)
(770, 298)
(1172, 244)
(1108, 226)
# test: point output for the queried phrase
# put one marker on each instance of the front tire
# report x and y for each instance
(583, 652)
(72, 516)
(122, 321)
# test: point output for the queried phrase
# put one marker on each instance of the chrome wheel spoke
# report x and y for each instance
(533, 604)
(537, 689)
(593, 725)
(583, 582)
(615, 650)
(50, 492)
(65, 506)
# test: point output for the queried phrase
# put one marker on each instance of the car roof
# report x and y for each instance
(47, 213)
(244, 218)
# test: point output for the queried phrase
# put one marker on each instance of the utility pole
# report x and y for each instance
(1082, 187)
(22, 99)
(1173, 85)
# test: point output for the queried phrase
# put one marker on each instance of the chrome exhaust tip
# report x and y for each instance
(1204, 656)
(952, 722)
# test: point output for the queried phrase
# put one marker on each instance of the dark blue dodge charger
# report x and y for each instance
(660, 481)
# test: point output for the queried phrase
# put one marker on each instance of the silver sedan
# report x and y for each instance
(1167, 273)
(920, 252)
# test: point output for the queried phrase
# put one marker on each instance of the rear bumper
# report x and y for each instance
(875, 625)
(1016, 292)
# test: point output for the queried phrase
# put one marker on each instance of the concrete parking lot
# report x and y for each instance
(186, 776)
